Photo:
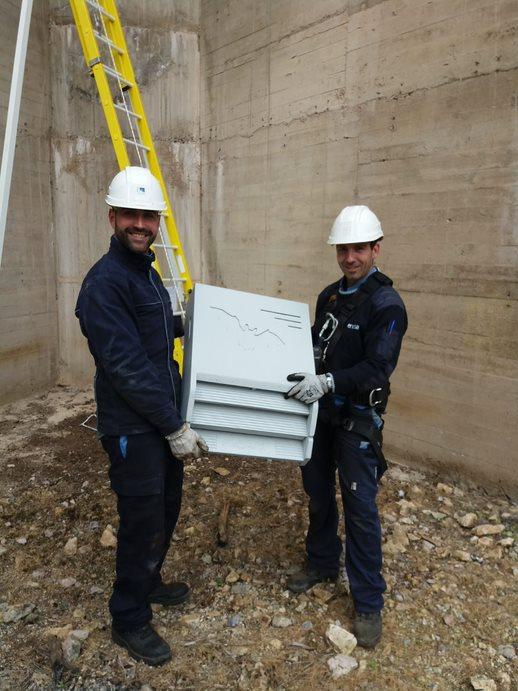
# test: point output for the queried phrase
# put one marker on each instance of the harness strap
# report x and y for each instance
(370, 432)
(346, 309)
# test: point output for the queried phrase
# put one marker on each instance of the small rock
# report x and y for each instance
(241, 589)
(71, 649)
(222, 471)
(507, 651)
(190, 619)
(108, 538)
(343, 640)
(406, 507)
(280, 622)
(67, 582)
(321, 594)
(428, 546)
(486, 541)
(71, 546)
(235, 620)
(505, 542)
(488, 529)
(444, 489)
(232, 577)
(340, 665)
(415, 491)
(14, 614)
(3, 550)
(449, 619)
(467, 520)
(21, 540)
(95, 590)
(481, 683)
(307, 625)
(206, 558)
(436, 515)
(505, 681)
(276, 644)
(461, 555)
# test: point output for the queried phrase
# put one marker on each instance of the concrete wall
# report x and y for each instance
(163, 41)
(28, 316)
(409, 106)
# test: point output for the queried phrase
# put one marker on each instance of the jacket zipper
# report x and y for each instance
(166, 335)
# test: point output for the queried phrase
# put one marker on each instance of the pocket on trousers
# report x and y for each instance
(134, 470)
(357, 463)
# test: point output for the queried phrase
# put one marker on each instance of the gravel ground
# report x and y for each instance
(450, 565)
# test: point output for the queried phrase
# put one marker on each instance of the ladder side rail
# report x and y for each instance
(94, 64)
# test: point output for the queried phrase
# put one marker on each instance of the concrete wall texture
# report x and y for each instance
(269, 116)
(409, 106)
(28, 308)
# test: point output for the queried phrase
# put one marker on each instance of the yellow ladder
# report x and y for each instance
(106, 55)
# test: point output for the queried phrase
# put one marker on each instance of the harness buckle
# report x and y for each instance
(373, 403)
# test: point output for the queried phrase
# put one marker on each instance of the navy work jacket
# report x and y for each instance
(125, 313)
(367, 351)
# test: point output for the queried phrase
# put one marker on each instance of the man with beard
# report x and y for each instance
(125, 313)
(359, 325)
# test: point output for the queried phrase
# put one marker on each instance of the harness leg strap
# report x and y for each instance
(372, 434)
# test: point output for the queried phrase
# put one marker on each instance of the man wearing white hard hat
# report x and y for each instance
(125, 313)
(359, 326)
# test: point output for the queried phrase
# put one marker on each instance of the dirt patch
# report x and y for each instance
(450, 603)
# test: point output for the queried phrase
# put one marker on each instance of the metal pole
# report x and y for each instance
(13, 113)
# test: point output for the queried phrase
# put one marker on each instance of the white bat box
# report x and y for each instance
(238, 349)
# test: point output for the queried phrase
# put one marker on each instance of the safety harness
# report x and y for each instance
(337, 315)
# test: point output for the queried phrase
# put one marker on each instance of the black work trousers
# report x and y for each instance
(147, 480)
(335, 449)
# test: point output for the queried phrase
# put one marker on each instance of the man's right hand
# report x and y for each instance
(186, 444)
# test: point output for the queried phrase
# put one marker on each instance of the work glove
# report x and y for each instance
(309, 387)
(186, 444)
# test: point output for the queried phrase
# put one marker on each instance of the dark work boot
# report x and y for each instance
(169, 594)
(367, 629)
(143, 644)
(304, 580)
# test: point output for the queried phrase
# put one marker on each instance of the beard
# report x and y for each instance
(135, 239)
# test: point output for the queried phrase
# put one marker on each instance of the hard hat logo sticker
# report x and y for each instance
(142, 190)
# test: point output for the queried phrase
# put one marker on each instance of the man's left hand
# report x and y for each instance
(309, 387)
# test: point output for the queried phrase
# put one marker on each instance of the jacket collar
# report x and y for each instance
(135, 260)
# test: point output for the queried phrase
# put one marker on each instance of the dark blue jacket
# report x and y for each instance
(125, 313)
(368, 349)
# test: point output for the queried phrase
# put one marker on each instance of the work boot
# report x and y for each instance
(304, 580)
(367, 629)
(144, 644)
(169, 594)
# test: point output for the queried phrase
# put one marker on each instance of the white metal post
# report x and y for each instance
(13, 113)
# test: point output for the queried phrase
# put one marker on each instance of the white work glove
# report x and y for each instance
(186, 444)
(309, 387)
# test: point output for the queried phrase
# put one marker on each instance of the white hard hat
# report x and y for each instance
(355, 224)
(135, 188)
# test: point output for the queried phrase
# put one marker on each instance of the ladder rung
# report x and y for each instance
(106, 40)
(137, 144)
(127, 110)
(95, 4)
(116, 75)
(165, 247)
(174, 280)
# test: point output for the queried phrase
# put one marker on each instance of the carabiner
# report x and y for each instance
(330, 323)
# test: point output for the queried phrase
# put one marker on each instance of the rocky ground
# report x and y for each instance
(450, 562)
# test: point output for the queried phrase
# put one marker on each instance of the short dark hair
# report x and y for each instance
(375, 242)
